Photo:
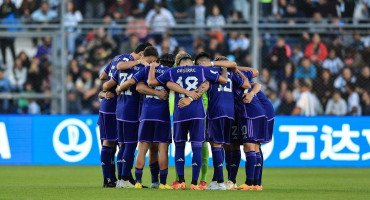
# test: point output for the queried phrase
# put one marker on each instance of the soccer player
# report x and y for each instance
(155, 124)
(189, 119)
(252, 125)
(220, 115)
(128, 109)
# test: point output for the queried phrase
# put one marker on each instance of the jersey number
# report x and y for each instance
(125, 77)
(191, 83)
(226, 88)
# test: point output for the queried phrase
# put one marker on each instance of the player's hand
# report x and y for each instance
(193, 94)
(247, 97)
(162, 94)
(117, 90)
(154, 64)
(143, 62)
(184, 102)
(108, 95)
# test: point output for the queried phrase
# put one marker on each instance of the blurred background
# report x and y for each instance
(52, 50)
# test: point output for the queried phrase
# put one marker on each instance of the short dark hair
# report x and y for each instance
(350, 85)
(200, 56)
(150, 51)
(142, 46)
(167, 60)
(304, 83)
(221, 58)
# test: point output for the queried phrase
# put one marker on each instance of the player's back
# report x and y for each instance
(154, 108)
(128, 101)
(109, 105)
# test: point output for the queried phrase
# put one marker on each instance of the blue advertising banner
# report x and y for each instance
(297, 141)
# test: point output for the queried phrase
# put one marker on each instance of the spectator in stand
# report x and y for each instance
(354, 107)
(280, 8)
(333, 63)
(308, 7)
(316, 51)
(283, 88)
(8, 13)
(324, 86)
(112, 31)
(74, 70)
(24, 58)
(94, 9)
(44, 50)
(346, 8)
(357, 43)
(306, 70)
(74, 104)
(297, 55)
(318, 21)
(214, 46)
(352, 59)
(159, 19)
(44, 14)
(265, 8)
(137, 26)
(279, 55)
(88, 89)
(307, 103)
(33, 107)
(99, 58)
(178, 8)
(293, 12)
(273, 97)
(216, 21)
(102, 39)
(28, 7)
(71, 20)
(363, 81)
(197, 13)
(238, 44)
(23, 103)
(267, 80)
(287, 104)
(34, 75)
(18, 76)
(327, 8)
(366, 103)
(4, 88)
(130, 45)
(344, 78)
(336, 105)
(142, 7)
(288, 74)
(120, 9)
(172, 41)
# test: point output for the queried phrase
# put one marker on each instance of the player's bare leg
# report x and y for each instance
(140, 162)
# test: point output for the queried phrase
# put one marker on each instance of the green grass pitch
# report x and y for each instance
(84, 182)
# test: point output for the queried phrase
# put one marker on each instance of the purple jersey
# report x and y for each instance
(189, 77)
(221, 97)
(109, 105)
(154, 108)
(129, 101)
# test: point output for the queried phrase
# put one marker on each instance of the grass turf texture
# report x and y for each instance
(85, 182)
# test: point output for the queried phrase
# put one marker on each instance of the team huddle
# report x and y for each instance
(135, 110)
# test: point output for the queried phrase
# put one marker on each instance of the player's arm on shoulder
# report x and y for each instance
(109, 85)
(222, 80)
(152, 81)
(194, 95)
(202, 88)
(124, 65)
(255, 71)
(248, 96)
(246, 84)
(224, 63)
(103, 76)
(125, 85)
(144, 89)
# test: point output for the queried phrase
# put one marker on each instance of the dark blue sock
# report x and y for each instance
(138, 175)
(154, 170)
(163, 176)
(218, 163)
(196, 147)
(180, 158)
(228, 161)
(120, 161)
(250, 161)
(234, 165)
(105, 159)
(260, 177)
(128, 159)
(113, 164)
(257, 168)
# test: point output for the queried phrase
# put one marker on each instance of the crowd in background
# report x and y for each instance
(333, 62)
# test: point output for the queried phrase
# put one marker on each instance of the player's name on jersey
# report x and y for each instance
(186, 70)
(161, 71)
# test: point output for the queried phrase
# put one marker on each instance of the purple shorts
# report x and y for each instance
(155, 131)
(253, 130)
(107, 126)
(219, 130)
(194, 127)
(270, 129)
(127, 131)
